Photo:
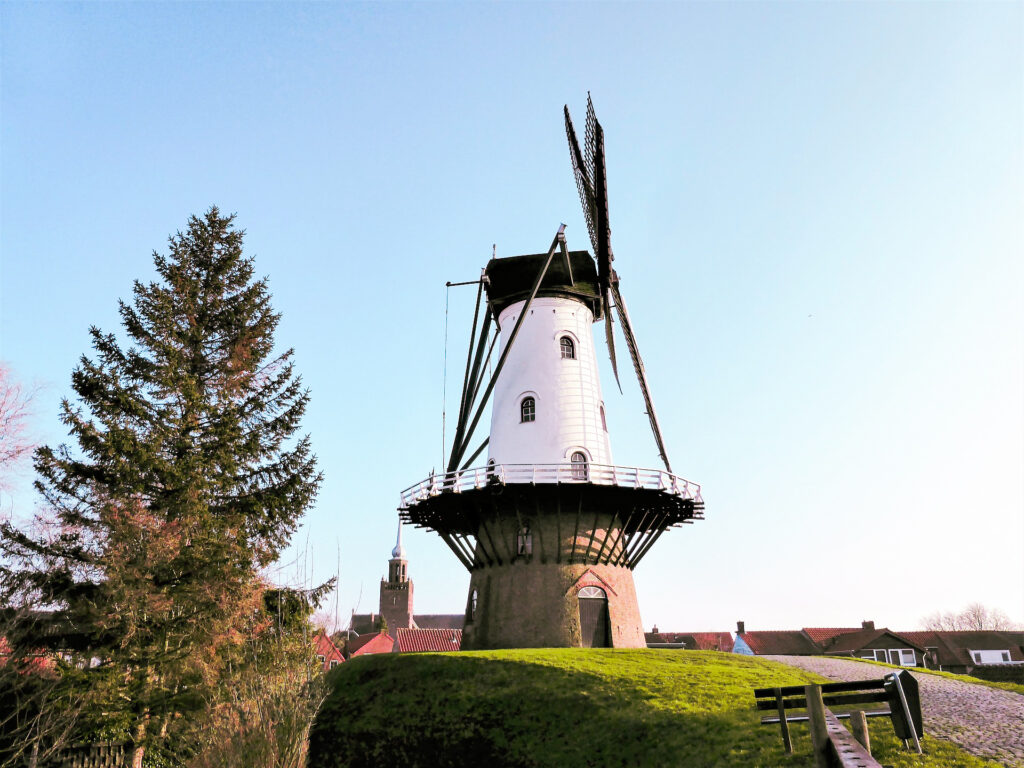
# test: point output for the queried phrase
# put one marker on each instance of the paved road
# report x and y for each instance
(988, 722)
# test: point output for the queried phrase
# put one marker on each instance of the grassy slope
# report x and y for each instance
(570, 707)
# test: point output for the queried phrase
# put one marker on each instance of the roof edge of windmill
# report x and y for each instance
(511, 278)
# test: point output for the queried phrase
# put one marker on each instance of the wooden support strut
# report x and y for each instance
(655, 535)
(576, 531)
(470, 385)
(623, 558)
(607, 536)
(622, 532)
(487, 533)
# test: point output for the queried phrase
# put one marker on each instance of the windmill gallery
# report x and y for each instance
(548, 526)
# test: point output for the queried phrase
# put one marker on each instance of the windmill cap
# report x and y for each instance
(510, 279)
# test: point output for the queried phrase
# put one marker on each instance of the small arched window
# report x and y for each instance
(568, 348)
(604, 423)
(472, 606)
(579, 466)
(527, 410)
(524, 541)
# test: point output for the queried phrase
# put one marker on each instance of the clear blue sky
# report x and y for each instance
(817, 215)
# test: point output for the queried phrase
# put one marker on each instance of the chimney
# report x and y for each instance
(740, 629)
(655, 630)
(867, 625)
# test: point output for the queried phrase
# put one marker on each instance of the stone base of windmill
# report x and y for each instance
(527, 604)
(551, 563)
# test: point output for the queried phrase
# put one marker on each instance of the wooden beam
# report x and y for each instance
(783, 725)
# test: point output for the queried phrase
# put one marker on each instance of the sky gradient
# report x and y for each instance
(817, 218)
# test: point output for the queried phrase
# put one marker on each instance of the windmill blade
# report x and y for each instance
(584, 178)
(638, 366)
(609, 336)
(603, 246)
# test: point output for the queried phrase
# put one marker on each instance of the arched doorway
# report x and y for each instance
(594, 618)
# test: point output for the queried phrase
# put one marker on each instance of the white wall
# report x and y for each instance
(567, 392)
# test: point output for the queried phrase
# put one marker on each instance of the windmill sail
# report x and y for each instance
(588, 168)
(592, 182)
(641, 375)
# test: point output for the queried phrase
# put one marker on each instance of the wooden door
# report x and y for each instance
(594, 618)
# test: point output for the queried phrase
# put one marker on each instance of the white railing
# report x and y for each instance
(597, 474)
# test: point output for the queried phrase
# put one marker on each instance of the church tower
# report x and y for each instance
(396, 589)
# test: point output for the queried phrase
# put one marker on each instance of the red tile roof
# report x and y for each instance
(367, 644)
(420, 640)
(324, 646)
(824, 634)
(789, 642)
(712, 641)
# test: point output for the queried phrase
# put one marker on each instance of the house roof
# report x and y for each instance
(822, 635)
(420, 640)
(363, 623)
(370, 644)
(439, 621)
(324, 646)
(953, 648)
(787, 642)
(666, 637)
(864, 638)
(708, 641)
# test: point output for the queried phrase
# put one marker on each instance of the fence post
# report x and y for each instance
(819, 731)
(859, 725)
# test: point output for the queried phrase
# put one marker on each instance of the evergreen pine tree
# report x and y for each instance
(186, 480)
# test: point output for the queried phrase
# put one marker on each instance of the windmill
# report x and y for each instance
(549, 527)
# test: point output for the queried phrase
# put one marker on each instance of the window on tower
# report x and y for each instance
(604, 423)
(527, 410)
(579, 466)
(568, 348)
(471, 608)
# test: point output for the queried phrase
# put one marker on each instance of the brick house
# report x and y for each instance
(697, 641)
(967, 651)
(865, 642)
(327, 653)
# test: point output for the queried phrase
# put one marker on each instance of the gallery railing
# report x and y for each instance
(597, 474)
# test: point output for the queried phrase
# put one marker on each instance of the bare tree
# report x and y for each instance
(975, 616)
(15, 410)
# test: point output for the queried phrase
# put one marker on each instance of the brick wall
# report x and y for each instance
(530, 601)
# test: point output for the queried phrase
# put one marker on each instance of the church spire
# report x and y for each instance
(398, 553)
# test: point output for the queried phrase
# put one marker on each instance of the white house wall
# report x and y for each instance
(567, 392)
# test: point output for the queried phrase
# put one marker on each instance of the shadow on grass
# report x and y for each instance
(465, 710)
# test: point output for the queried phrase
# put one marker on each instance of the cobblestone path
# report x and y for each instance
(988, 722)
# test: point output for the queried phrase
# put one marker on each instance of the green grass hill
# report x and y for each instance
(571, 707)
